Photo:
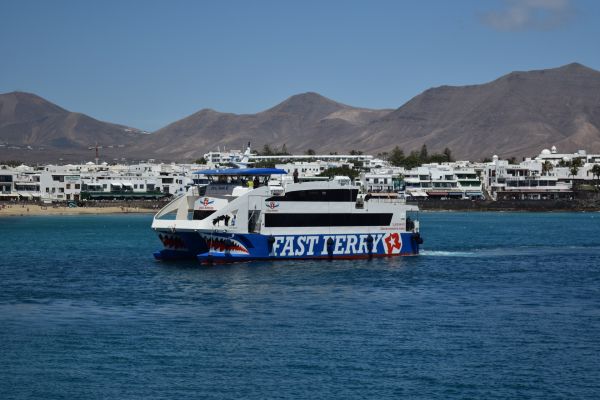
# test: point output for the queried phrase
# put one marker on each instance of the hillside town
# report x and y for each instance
(551, 175)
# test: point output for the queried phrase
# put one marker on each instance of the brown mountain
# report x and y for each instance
(301, 122)
(515, 115)
(33, 129)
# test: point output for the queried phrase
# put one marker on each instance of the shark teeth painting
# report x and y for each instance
(224, 245)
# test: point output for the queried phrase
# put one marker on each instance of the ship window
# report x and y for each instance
(201, 214)
(318, 195)
(320, 219)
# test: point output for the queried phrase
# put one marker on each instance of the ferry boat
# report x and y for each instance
(261, 214)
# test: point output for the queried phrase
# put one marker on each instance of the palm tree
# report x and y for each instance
(596, 172)
(573, 170)
(547, 167)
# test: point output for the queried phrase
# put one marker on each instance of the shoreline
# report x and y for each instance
(39, 210)
(448, 205)
(574, 205)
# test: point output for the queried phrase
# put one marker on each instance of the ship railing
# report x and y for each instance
(383, 200)
(374, 198)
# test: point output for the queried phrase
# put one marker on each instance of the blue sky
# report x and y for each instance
(149, 63)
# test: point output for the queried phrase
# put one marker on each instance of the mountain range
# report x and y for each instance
(34, 129)
(517, 114)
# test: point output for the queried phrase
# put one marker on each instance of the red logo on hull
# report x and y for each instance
(393, 243)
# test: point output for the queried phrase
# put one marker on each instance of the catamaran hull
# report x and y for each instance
(228, 247)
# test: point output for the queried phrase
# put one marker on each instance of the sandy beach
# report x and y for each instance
(15, 210)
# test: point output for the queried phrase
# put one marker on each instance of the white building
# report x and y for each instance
(223, 157)
(137, 181)
(528, 180)
(555, 157)
(550, 175)
(309, 169)
(60, 183)
(7, 179)
(383, 180)
(91, 181)
(447, 180)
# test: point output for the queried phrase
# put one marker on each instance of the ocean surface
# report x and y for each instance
(498, 305)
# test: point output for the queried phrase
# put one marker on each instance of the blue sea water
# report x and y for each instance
(498, 305)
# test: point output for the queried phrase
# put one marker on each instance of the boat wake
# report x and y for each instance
(514, 251)
(434, 253)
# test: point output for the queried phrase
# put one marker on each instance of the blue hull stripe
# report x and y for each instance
(220, 247)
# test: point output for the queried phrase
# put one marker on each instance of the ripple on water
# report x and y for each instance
(498, 305)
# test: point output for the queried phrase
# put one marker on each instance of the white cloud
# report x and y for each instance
(529, 15)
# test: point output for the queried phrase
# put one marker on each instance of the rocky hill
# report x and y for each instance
(301, 122)
(515, 115)
(34, 129)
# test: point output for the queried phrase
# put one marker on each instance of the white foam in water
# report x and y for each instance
(435, 253)
(513, 251)
(492, 252)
